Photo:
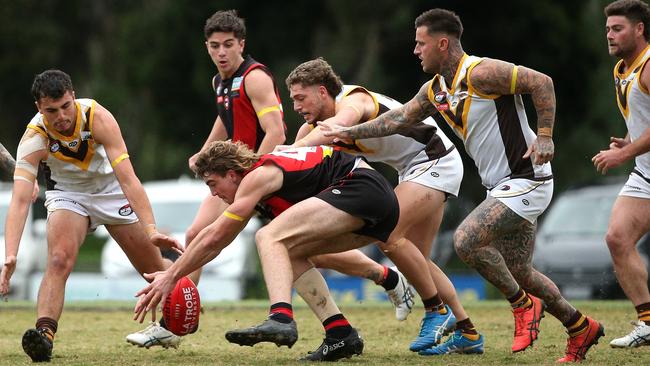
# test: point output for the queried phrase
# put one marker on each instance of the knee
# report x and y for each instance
(391, 245)
(264, 236)
(319, 261)
(60, 263)
(616, 242)
(461, 245)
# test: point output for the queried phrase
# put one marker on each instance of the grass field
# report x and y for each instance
(93, 334)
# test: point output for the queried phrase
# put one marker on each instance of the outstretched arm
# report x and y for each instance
(389, 123)
(350, 111)
(495, 77)
(31, 151)
(212, 239)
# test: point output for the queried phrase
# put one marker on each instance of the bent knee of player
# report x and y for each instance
(391, 245)
(462, 244)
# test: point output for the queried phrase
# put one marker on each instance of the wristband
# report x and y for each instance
(545, 131)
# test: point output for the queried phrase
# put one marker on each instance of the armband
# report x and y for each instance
(231, 215)
(25, 171)
(513, 82)
(268, 109)
(119, 160)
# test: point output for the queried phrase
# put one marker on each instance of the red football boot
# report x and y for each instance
(578, 345)
(527, 324)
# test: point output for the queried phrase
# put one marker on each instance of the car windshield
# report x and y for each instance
(174, 217)
(579, 214)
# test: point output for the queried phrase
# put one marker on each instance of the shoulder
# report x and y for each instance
(258, 83)
(488, 68)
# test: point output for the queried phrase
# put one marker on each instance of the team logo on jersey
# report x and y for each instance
(525, 202)
(219, 99)
(86, 135)
(236, 83)
(125, 210)
(440, 96)
(336, 191)
(73, 143)
(505, 187)
(435, 175)
(54, 147)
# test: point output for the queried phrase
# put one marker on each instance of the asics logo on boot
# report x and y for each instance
(333, 347)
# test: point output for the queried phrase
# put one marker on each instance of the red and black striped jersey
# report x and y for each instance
(235, 108)
(306, 171)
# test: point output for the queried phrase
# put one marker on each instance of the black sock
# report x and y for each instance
(281, 312)
(162, 323)
(337, 327)
(390, 279)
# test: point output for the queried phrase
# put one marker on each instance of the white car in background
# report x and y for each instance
(32, 253)
(175, 204)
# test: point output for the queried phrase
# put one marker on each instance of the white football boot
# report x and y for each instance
(154, 335)
(402, 296)
(639, 336)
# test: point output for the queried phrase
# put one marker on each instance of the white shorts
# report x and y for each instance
(527, 198)
(636, 186)
(100, 208)
(444, 174)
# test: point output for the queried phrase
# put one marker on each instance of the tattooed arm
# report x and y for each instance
(494, 77)
(7, 164)
(389, 123)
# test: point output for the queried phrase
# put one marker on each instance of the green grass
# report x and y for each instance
(93, 334)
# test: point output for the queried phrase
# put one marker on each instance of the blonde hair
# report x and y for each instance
(220, 156)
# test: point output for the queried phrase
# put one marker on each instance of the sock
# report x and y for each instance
(337, 327)
(281, 312)
(520, 300)
(162, 323)
(467, 329)
(49, 325)
(434, 304)
(311, 286)
(577, 324)
(390, 279)
(643, 312)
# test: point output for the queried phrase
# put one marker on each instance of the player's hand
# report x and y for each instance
(191, 162)
(541, 150)
(35, 191)
(166, 242)
(607, 159)
(338, 132)
(149, 297)
(7, 270)
(617, 142)
(282, 147)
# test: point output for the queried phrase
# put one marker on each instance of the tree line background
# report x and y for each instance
(146, 62)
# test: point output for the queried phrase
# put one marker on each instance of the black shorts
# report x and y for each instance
(366, 194)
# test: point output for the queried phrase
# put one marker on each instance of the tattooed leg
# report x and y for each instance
(519, 246)
(473, 242)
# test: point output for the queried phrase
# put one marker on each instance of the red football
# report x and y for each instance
(182, 307)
